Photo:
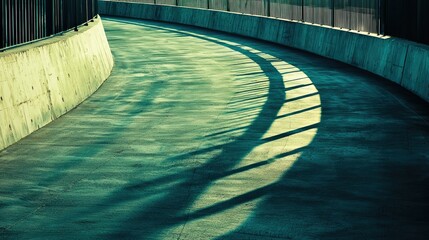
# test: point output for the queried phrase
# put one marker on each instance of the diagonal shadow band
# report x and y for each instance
(228, 158)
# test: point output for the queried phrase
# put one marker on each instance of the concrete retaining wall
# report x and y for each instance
(400, 61)
(41, 81)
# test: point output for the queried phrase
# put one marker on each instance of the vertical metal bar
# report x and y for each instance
(2, 21)
(18, 21)
(383, 16)
(92, 10)
(75, 16)
(39, 30)
(49, 19)
(38, 18)
(6, 23)
(26, 22)
(22, 22)
(45, 20)
(42, 26)
(268, 8)
(350, 14)
(357, 18)
(12, 23)
(31, 19)
(45, 25)
(302, 11)
(54, 20)
(15, 27)
(52, 11)
(60, 16)
(333, 13)
(9, 31)
(35, 29)
(85, 10)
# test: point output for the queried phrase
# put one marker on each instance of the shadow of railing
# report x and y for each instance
(226, 159)
(230, 155)
(314, 179)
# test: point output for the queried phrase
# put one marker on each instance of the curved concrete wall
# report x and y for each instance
(41, 81)
(400, 61)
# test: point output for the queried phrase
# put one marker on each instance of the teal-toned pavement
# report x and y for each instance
(204, 135)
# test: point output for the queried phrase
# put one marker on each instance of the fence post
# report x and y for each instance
(92, 10)
(53, 16)
(302, 11)
(86, 12)
(382, 17)
(49, 18)
(333, 13)
(268, 8)
(61, 16)
(227, 6)
(208, 4)
(75, 16)
(2, 37)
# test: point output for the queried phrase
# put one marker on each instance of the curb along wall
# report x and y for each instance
(41, 81)
(401, 61)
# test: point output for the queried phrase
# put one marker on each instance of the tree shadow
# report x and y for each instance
(230, 155)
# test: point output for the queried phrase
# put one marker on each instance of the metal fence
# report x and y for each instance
(360, 15)
(28, 20)
(402, 18)
(408, 19)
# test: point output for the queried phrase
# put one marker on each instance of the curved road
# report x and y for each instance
(203, 135)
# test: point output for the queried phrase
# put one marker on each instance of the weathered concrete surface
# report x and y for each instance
(384, 56)
(39, 82)
(416, 71)
(201, 135)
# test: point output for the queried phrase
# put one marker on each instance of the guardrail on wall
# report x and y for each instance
(28, 20)
(401, 18)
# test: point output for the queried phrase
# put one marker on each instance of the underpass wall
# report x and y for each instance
(41, 81)
(401, 61)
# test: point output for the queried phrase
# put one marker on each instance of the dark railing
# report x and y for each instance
(24, 21)
(401, 18)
